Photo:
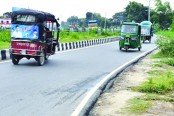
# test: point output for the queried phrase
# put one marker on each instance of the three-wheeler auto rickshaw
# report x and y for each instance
(34, 34)
(146, 31)
(130, 36)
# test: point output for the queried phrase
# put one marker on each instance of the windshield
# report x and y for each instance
(145, 30)
(25, 18)
(128, 28)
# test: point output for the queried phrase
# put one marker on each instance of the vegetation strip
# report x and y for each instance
(159, 87)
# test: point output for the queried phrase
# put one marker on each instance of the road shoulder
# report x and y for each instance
(115, 99)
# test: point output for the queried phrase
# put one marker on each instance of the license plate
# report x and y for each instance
(23, 51)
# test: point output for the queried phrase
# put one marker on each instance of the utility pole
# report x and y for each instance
(105, 22)
(149, 11)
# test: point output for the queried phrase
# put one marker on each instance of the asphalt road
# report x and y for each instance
(56, 88)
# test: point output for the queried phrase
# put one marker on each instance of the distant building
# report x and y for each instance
(5, 22)
(7, 14)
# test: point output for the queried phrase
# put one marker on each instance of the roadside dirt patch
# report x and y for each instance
(113, 100)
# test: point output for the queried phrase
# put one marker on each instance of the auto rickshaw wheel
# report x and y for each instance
(46, 57)
(41, 58)
(144, 39)
(15, 59)
(126, 47)
(150, 40)
(139, 48)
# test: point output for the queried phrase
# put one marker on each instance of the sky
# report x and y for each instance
(66, 8)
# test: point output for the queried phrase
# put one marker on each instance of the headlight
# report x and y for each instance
(134, 38)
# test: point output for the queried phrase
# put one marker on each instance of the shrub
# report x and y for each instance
(172, 26)
(160, 85)
(166, 43)
(168, 61)
(5, 36)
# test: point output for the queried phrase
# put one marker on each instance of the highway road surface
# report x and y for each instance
(57, 88)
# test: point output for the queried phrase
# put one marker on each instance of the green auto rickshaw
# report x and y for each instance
(130, 36)
(146, 31)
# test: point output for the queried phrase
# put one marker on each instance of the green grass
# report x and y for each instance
(168, 61)
(5, 36)
(158, 55)
(163, 59)
(64, 36)
(4, 45)
(159, 87)
(167, 34)
(79, 36)
(161, 84)
(155, 97)
(156, 73)
(137, 106)
(165, 42)
(141, 104)
(4, 39)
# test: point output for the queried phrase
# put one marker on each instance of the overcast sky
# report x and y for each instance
(66, 8)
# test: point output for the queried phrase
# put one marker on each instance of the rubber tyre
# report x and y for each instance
(46, 57)
(15, 59)
(126, 47)
(150, 40)
(139, 49)
(41, 59)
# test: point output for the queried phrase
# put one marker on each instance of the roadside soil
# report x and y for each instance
(113, 100)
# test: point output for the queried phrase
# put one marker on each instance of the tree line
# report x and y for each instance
(161, 16)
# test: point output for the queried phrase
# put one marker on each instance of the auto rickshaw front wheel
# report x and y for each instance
(41, 58)
(150, 40)
(126, 47)
(139, 48)
(15, 59)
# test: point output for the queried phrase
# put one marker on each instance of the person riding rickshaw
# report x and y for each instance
(34, 34)
(130, 36)
(146, 31)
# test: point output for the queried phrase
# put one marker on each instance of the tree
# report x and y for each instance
(136, 12)
(73, 20)
(82, 22)
(96, 16)
(162, 14)
(118, 18)
(89, 16)
(7, 14)
(64, 24)
(101, 20)
(172, 26)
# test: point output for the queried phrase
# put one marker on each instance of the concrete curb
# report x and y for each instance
(4, 54)
(89, 100)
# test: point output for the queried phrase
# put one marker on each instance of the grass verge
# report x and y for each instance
(64, 36)
(158, 87)
(4, 45)
(137, 106)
